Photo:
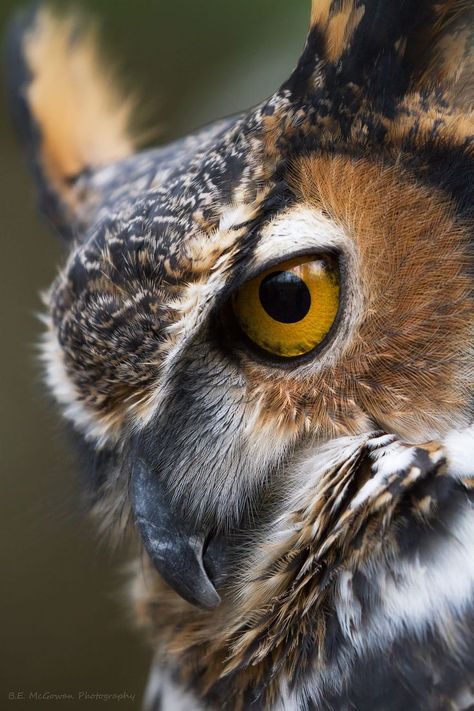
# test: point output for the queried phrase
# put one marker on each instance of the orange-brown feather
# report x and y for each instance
(440, 48)
(82, 116)
(338, 26)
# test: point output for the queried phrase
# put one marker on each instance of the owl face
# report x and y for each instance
(237, 304)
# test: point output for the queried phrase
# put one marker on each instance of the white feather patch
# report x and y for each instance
(459, 448)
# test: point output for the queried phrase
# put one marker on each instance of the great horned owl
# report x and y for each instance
(262, 336)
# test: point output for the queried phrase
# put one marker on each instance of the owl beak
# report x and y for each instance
(175, 548)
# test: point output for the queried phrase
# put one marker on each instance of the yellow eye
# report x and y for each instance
(289, 309)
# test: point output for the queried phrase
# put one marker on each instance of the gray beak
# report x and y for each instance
(175, 548)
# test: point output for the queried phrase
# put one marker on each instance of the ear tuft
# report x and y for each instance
(395, 45)
(337, 23)
(68, 108)
(445, 48)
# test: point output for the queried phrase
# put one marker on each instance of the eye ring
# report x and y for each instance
(289, 311)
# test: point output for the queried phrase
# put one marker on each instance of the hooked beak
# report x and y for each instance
(176, 549)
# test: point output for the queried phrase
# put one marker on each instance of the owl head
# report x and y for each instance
(248, 310)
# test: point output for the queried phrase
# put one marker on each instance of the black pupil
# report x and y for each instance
(285, 297)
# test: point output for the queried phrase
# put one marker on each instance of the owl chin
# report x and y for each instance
(374, 472)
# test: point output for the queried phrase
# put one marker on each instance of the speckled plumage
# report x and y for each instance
(319, 510)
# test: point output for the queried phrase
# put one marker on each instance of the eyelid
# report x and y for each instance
(247, 274)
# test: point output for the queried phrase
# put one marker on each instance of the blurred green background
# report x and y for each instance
(64, 626)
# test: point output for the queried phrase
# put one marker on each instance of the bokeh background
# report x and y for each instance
(63, 626)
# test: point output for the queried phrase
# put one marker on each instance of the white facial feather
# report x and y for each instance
(67, 395)
(459, 446)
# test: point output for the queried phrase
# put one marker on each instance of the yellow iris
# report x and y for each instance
(289, 309)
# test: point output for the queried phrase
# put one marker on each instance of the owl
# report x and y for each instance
(262, 339)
